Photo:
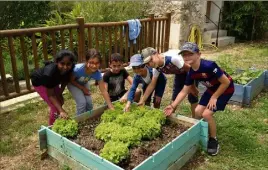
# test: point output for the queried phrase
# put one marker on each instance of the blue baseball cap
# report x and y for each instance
(136, 60)
(189, 46)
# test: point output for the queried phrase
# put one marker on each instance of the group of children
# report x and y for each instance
(150, 68)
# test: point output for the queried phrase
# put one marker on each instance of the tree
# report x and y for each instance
(245, 20)
(23, 14)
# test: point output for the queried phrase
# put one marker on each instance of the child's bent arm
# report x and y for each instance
(52, 97)
(225, 82)
(130, 80)
(183, 93)
(186, 67)
(149, 89)
(75, 83)
(105, 94)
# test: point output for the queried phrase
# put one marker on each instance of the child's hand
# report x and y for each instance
(127, 108)
(212, 103)
(168, 110)
(63, 115)
(123, 99)
(141, 103)
(86, 91)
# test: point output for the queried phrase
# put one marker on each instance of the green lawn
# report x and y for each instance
(242, 132)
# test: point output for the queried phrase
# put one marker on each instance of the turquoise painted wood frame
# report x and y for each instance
(244, 94)
(172, 156)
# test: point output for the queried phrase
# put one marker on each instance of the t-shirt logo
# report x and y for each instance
(83, 79)
(204, 75)
(206, 83)
(215, 70)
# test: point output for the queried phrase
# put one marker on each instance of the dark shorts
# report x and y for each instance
(221, 102)
(114, 98)
(178, 84)
(159, 88)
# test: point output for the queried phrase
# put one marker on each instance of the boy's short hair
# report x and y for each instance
(116, 57)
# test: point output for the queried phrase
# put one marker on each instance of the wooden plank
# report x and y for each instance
(36, 64)
(266, 79)
(184, 159)
(13, 95)
(257, 85)
(54, 46)
(127, 57)
(25, 63)
(77, 152)
(110, 44)
(154, 34)
(121, 42)
(44, 44)
(14, 64)
(66, 160)
(103, 47)
(204, 134)
(71, 39)
(3, 73)
(162, 35)
(42, 138)
(115, 39)
(96, 38)
(159, 36)
(152, 163)
(89, 38)
(91, 114)
(146, 35)
(62, 39)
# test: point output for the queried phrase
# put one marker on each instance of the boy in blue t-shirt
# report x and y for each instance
(220, 88)
(144, 75)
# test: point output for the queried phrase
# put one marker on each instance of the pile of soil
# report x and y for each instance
(139, 153)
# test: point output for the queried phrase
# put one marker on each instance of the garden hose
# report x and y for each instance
(196, 37)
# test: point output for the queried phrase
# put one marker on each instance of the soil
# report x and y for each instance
(138, 154)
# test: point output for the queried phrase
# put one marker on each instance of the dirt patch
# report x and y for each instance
(137, 154)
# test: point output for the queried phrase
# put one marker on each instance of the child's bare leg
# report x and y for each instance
(193, 107)
(208, 116)
(199, 109)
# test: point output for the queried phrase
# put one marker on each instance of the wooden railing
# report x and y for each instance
(34, 45)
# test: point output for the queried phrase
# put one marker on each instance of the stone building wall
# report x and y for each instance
(185, 13)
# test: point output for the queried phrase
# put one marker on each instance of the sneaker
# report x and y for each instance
(213, 146)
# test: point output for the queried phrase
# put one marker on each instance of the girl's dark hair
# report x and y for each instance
(65, 53)
(116, 57)
(93, 53)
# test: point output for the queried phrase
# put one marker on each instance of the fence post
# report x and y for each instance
(81, 38)
(167, 32)
(151, 30)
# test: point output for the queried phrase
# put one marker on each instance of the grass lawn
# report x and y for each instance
(242, 132)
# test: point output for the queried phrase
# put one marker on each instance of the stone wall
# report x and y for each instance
(185, 13)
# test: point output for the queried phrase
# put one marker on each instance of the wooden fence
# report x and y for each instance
(30, 47)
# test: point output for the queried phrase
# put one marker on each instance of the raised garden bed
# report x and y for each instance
(179, 139)
(245, 93)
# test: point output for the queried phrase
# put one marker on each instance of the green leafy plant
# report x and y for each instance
(246, 76)
(104, 131)
(115, 151)
(122, 130)
(148, 127)
(66, 127)
(127, 134)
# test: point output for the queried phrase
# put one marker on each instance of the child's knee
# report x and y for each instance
(207, 115)
(198, 111)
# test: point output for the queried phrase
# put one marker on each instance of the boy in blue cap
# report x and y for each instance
(144, 75)
(220, 88)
